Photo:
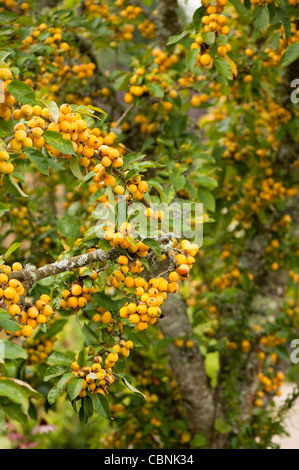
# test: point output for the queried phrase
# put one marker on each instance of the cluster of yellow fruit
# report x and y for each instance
(39, 349)
(272, 384)
(214, 21)
(197, 100)
(78, 295)
(90, 144)
(98, 375)
(10, 289)
(227, 279)
(67, 60)
(260, 2)
(274, 55)
(131, 12)
(271, 341)
(7, 101)
(31, 315)
(271, 116)
(165, 61)
(6, 167)
(144, 126)
(235, 151)
(147, 29)
(122, 238)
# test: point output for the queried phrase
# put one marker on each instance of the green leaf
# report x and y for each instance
(52, 107)
(7, 323)
(222, 427)
(197, 16)
(14, 393)
(88, 406)
(55, 328)
(176, 38)
(130, 387)
(207, 198)
(56, 140)
(15, 184)
(56, 391)
(178, 180)
(30, 392)
(132, 158)
(242, 10)
(102, 406)
(75, 167)
(223, 67)
(58, 357)
(67, 227)
(198, 441)
(157, 186)
(14, 351)
(54, 371)
(154, 246)
(260, 17)
(74, 387)
(11, 249)
(7, 17)
(206, 181)
(82, 357)
(285, 20)
(53, 394)
(22, 92)
(155, 89)
(106, 302)
(38, 159)
(191, 58)
(290, 55)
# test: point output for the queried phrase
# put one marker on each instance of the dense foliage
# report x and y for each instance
(115, 105)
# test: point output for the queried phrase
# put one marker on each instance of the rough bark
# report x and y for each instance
(188, 367)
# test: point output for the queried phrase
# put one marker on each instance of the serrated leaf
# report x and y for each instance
(261, 17)
(52, 107)
(7, 323)
(130, 387)
(58, 357)
(38, 159)
(14, 393)
(176, 38)
(11, 249)
(223, 67)
(242, 10)
(74, 387)
(14, 351)
(155, 89)
(101, 406)
(54, 371)
(56, 140)
(22, 92)
(191, 58)
(290, 55)
(154, 246)
(7, 17)
(75, 167)
(15, 184)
